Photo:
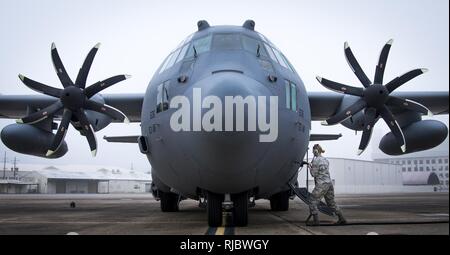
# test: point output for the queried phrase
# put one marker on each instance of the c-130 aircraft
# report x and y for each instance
(225, 119)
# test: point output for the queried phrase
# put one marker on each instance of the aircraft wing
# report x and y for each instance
(326, 104)
(15, 106)
(323, 104)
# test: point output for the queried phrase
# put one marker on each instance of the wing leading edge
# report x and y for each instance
(17, 106)
(323, 104)
(326, 104)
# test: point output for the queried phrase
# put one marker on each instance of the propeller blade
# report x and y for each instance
(106, 109)
(39, 87)
(379, 72)
(369, 123)
(101, 85)
(42, 114)
(354, 65)
(340, 88)
(59, 68)
(89, 131)
(408, 105)
(84, 70)
(61, 133)
(389, 118)
(345, 114)
(399, 81)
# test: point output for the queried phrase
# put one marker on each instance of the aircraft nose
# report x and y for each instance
(226, 154)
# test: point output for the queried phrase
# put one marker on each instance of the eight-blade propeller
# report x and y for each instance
(74, 99)
(374, 97)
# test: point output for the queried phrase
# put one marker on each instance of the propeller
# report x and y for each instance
(375, 98)
(74, 99)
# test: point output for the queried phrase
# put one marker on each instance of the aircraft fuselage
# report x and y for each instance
(205, 147)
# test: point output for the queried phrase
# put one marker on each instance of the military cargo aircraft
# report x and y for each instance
(225, 120)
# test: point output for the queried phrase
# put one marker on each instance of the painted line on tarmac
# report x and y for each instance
(220, 231)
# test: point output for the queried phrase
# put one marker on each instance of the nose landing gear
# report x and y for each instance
(218, 204)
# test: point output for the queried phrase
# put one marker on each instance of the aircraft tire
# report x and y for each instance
(169, 201)
(214, 209)
(280, 201)
(240, 209)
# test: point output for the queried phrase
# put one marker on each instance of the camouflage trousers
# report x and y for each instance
(325, 190)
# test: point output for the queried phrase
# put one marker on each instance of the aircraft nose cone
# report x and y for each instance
(230, 154)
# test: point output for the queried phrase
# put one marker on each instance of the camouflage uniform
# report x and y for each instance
(324, 186)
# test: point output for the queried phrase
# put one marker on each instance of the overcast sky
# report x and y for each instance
(137, 35)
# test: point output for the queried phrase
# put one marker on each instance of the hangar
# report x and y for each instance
(352, 176)
(79, 179)
(426, 162)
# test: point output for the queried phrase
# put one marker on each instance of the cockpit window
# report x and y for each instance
(287, 62)
(173, 58)
(199, 46)
(182, 53)
(162, 97)
(269, 50)
(254, 46)
(263, 38)
(280, 59)
(261, 47)
(187, 40)
(164, 65)
(226, 42)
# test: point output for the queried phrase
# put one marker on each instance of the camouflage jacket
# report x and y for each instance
(320, 171)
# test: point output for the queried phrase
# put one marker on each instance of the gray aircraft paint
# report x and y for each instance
(188, 161)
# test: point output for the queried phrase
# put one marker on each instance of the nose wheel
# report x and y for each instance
(214, 209)
(238, 207)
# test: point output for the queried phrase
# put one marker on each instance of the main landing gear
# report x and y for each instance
(280, 201)
(169, 201)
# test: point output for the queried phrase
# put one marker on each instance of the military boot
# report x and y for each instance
(316, 221)
(341, 219)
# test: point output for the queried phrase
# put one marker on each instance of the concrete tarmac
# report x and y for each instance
(111, 214)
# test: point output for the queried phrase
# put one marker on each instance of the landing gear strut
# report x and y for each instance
(237, 204)
(280, 201)
(169, 201)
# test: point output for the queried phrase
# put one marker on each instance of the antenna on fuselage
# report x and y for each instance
(202, 24)
(249, 24)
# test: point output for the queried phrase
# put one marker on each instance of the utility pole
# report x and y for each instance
(14, 167)
(4, 166)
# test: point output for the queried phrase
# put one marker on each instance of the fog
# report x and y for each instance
(137, 35)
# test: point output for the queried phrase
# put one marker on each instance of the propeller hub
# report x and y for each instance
(73, 98)
(376, 95)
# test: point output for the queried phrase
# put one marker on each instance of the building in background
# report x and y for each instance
(351, 176)
(15, 182)
(425, 162)
(79, 179)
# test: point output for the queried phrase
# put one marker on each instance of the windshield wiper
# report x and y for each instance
(195, 51)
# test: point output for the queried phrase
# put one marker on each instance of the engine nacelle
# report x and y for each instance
(357, 121)
(419, 136)
(98, 121)
(30, 140)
